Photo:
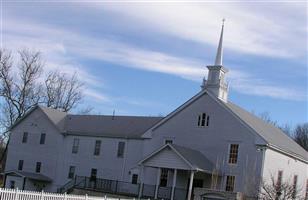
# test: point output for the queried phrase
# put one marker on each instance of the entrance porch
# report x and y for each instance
(176, 171)
(26, 180)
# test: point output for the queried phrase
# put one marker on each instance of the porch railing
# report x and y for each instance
(122, 188)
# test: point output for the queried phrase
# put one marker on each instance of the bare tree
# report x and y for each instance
(23, 86)
(19, 91)
(62, 92)
(286, 128)
(265, 116)
(300, 135)
(278, 190)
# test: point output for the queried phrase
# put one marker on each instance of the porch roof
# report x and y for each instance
(193, 159)
(30, 175)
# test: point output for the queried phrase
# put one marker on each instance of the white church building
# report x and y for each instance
(208, 148)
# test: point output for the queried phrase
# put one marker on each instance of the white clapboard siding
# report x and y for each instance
(167, 158)
(15, 194)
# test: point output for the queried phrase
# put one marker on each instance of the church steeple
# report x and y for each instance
(215, 82)
(218, 60)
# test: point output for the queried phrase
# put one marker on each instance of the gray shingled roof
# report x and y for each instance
(109, 126)
(55, 116)
(30, 175)
(195, 158)
(100, 125)
(268, 132)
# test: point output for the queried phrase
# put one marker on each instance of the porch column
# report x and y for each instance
(141, 181)
(4, 181)
(190, 185)
(157, 182)
(173, 183)
(23, 183)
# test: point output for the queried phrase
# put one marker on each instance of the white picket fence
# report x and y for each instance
(15, 194)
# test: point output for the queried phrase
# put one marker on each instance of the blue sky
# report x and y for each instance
(149, 58)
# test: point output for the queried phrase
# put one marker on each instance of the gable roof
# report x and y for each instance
(272, 135)
(109, 126)
(57, 117)
(96, 125)
(195, 159)
(30, 175)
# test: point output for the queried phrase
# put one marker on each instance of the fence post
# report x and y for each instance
(65, 197)
(42, 195)
(86, 197)
(16, 194)
(105, 198)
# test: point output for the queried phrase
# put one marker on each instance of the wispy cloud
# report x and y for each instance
(248, 32)
(97, 96)
(62, 54)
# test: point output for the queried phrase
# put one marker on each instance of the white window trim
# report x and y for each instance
(205, 123)
(238, 154)
(234, 183)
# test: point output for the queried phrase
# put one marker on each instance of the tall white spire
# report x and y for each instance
(218, 60)
(215, 82)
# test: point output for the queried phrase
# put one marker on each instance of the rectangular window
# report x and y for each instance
(25, 137)
(135, 179)
(20, 164)
(71, 172)
(93, 174)
(42, 139)
(75, 145)
(279, 180)
(163, 177)
(121, 148)
(168, 141)
(38, 167)
(230, 182)
(233, 154)
(207, 120)
(294, 187)
(97, 147)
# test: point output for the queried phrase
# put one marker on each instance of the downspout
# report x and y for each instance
(263, 149)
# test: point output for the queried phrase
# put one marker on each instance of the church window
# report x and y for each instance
(279, 180)
(294, 187)
(20, 164)
(203, 120)
(71, 172)
(25, 137)
(233, 154)
(168, 141)
(38, 167)
(134, 178)
(97, 147)
(230, 182)
(75, 145)
(121, 148)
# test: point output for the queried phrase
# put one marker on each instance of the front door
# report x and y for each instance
(196, 183)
